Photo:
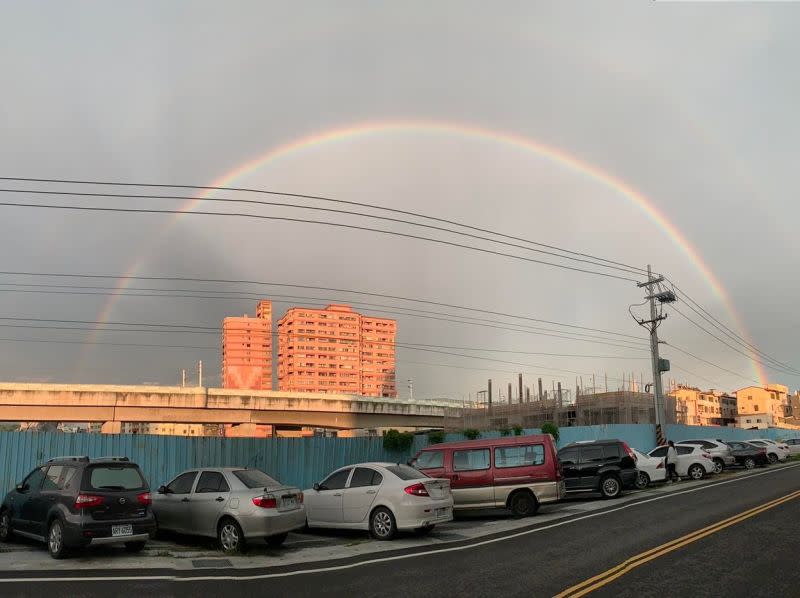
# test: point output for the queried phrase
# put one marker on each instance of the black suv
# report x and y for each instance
(604, 466)
(74, 502)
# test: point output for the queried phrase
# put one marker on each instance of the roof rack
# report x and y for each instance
(125, 459)
(83, 458)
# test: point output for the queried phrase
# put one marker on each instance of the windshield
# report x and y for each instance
(115, 478)
(404, 472)
(255, 478)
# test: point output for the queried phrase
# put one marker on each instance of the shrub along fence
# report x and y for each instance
(296, 461)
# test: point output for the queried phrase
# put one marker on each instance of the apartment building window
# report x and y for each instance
(755, 407)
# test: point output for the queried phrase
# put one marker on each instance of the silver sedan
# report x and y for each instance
(232, 504)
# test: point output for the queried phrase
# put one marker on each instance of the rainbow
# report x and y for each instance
(554, 154)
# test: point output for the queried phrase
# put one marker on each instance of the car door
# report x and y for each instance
(687, 455)
(326, 503)
(22, 502)
(521, 465)
(207, 502)
(471, 479)
(41, 501)
(589, 464)
(360, 494)
(172, 506)
(569, 465)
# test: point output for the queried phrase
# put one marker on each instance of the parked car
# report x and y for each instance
(719, 451)
(519, 473)
(651, 469)
(748, 455)
(794, 446)
(233, 504)
(775, 451)
(604, 466)
(693, 461)
(73, 502)
(380, 497)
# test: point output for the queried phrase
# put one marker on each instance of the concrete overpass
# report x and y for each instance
(157, 404)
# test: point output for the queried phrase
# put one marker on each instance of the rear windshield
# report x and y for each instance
(255, 478)
(404, 472)
(115, 478)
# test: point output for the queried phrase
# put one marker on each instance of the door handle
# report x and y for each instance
(455, 476)
(338, 494)
(185, 500)
(372, 491)
(219, 499)
(52, 499)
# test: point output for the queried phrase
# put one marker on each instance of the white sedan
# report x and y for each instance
(794, 446)
(776, 451)
(651, 469)
(693, 462)
(380, 497)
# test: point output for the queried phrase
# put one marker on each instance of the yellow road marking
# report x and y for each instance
(624, 567)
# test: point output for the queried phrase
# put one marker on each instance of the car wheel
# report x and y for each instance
(696, 472)
(55, 540)
(277, 540)
(719, 466)
(230, 536)
(5, 526)
(425, 530)
(642, 480)
(382, 525)
(523, 504)
(749, 463)
(135, 546)
(610, 486)
(773, 458)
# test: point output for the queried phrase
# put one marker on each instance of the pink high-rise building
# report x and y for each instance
(247, 350)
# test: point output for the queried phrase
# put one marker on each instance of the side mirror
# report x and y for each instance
(317, 487)
(22, 487)
(411, 462)
(162, 490)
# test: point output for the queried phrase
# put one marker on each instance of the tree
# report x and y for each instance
(396, 441)
(471, 433)
(436, 436)
(550, 428)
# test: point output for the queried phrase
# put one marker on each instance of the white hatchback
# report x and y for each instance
(776, 451)
(651, 469)
(693, 461)
(380, 497)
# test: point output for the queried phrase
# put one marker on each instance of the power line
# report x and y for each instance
(320, 198)
(318, 209)
(319, 222)
(719, 367)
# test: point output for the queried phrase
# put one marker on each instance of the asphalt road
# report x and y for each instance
(731, 538)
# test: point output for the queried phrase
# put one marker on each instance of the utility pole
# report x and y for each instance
(200, 374)
(655, 293)
(520, 388)
(410, 389)
(183, 378)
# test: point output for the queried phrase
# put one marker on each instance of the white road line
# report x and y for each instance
(388, 558)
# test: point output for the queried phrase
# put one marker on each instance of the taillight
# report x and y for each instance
(416, 490)
(84, 501)
(144, 499)
(266, 502)
(300, 498)
(628, 450)
(559, 472)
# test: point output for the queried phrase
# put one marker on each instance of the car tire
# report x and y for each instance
(749, 463)
(773, 458)
(696, 471)
(55, 539)
(6, 533)
(382, 524)
(425, 530)
(230, 536)
(523, 504)
(642, 481)
(134, 547)
(610, 486)
(719, 466)
(277, 540)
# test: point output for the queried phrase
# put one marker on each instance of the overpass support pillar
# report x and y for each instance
(111, 428)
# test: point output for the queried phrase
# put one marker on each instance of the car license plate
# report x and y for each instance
(121, 530)
(290, 502)
(442, 512)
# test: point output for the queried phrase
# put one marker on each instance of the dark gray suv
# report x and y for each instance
(72, 502)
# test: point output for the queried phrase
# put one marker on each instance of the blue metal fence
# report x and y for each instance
(297, 461)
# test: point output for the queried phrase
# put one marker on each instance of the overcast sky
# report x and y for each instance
(694, 105)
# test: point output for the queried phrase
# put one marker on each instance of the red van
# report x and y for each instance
(518, 473)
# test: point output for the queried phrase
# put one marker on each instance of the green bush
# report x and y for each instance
(471, 433)
(436, 436)
(505, 431)
(517, 430)
(550, 428)
(396, 441)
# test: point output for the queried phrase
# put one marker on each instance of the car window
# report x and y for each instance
(115, 477)
(34, 479)
(591, 454)
(212, 481)
(568, 456)
(364, 476)
(52, 477)
(404, 472)
(611, 452)
(659, 452)
(756, 442)
(685, 450)
(68, 478)
(471, 460)
(430, 460)
(255, 478)
(182, 484)
(700, 442)
(519, 456)
(336, 480)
